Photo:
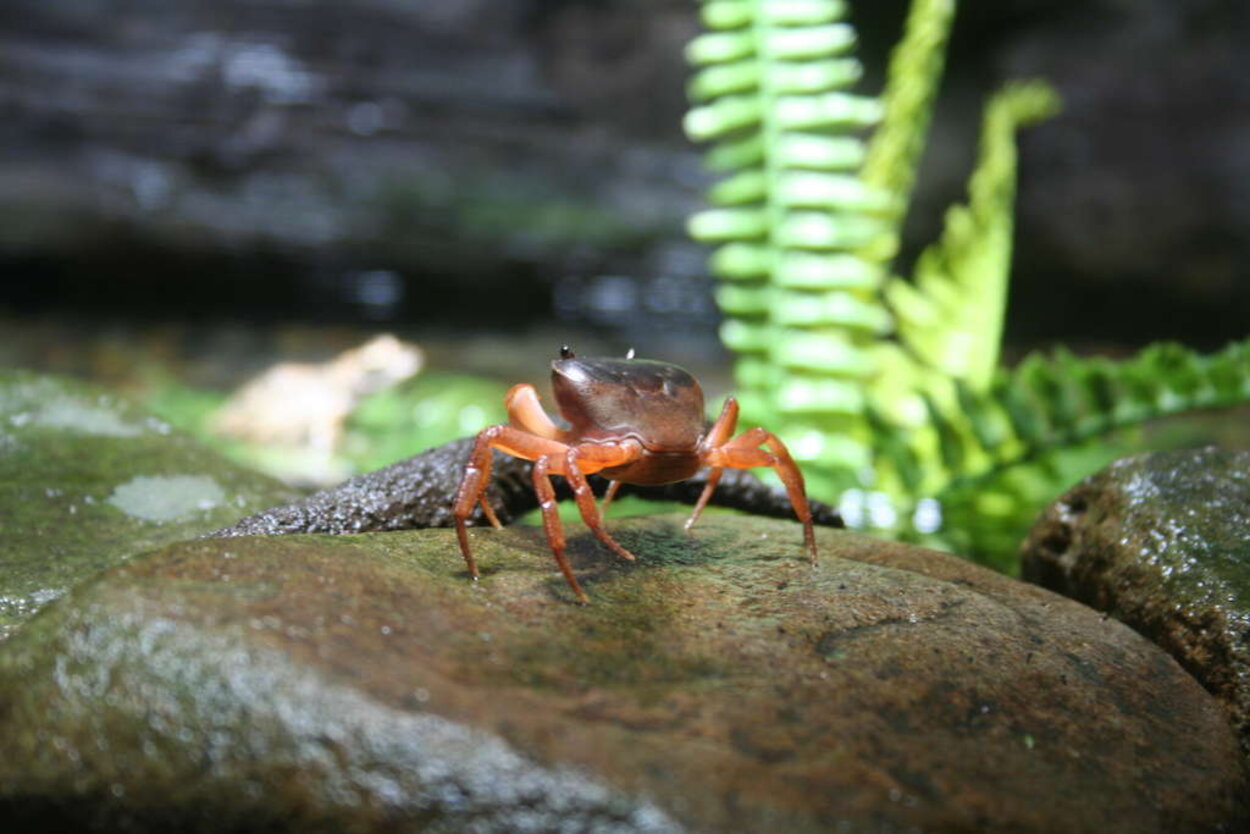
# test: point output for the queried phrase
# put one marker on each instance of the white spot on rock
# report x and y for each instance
(162, 498)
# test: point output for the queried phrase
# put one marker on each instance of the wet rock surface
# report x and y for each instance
(418, 492)
(87, 479)
(363, 683)
(1161, 541)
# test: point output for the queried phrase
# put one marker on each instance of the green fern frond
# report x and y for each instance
(950, 315)
(800, 308)
(916, 65)
(1051, 402)
(1077, 407)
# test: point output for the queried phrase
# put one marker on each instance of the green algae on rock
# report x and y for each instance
(88, 478)
(719, 683)
(1161, 541)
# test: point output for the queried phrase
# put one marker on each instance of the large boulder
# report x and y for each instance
(1161, 541)
(719, 683)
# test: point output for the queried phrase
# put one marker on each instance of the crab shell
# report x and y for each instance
(658, 404)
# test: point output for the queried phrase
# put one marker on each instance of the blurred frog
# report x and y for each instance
(305, 405)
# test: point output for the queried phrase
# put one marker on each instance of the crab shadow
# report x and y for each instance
(657, 542)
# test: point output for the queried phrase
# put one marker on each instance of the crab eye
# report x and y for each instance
(566, 352)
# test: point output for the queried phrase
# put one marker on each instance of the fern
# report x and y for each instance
(876, 380)
(915, 69)
(950, 316)
(1049, 410)
(800, 308)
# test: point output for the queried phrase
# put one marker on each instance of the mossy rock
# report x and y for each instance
(720, 683)
(1161, 541)
(88, 479)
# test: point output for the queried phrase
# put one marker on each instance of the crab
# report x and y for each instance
(633, 421)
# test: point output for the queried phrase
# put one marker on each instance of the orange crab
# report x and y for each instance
(634, 421)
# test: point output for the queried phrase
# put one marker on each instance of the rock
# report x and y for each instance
(87, 479)
(364, 684)
(1161, 541)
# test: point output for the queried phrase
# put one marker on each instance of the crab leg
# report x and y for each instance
(596, 457)
(613, 486)
(744, 452)
(717, 436)
(551, 523)
(477, 476)
(713, 478)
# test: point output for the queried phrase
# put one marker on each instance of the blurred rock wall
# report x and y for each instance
(509, 161)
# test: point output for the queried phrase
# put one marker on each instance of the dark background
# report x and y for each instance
(457, 168)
